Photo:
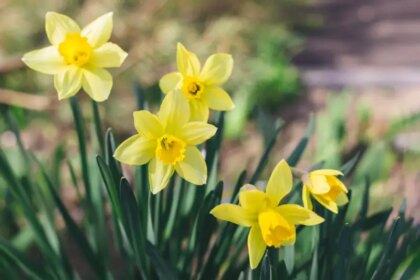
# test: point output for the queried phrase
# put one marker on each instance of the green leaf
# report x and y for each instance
(289, 258)
(297, 153)
(74, 230)
(98, 127)
(264, 159)
(31, 269)
(265, 268)
(380, 271)
(81, 136)
(162, 268)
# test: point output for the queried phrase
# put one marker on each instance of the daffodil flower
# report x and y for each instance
(201, 87)
(77, 57)
(326, 188)
(167, 141)
(271, 225)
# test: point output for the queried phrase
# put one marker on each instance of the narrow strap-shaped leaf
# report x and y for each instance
(265, 268)
(264, 159)
(74, 230)
(348, 166)
(81, 136)
(132, 223)
(162, 268)
(388, 250)
(98, 127)
(31, 269)
(297, 153)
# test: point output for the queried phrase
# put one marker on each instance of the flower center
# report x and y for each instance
(75, 49)
(170, 149)
(192, 88)
(275, 229)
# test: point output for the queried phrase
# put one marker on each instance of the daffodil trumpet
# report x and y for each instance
(78, 57)
(271, 224)
(200, 86)
(167, 141)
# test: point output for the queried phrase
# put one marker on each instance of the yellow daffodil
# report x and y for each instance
(201, 86)
(77, 57)
(168, 142)
(326, 188)
(271, 224)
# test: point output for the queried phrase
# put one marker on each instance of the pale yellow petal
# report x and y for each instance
(306, 198)
(327, 172)
(199, 111)
(194, 133)
(58, 25)
(188, 63)
(342, 199)
(159, 175)
(136, 150)
(147, 124)
(298, 215)
(280, 182)
(253, 199)
(174, 111)
(256, 246)
(98, 31)
(68, 82)
(319, 184)
(97, 83)
(234, 214)
(192, 168)
(330, 205)
(46, 60)
(107, 55)
(217, 69)
(217, 99)
(170, 82)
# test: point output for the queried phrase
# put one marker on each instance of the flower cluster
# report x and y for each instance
(274, 225)
(168, 140)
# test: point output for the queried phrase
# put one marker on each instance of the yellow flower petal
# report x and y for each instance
(98, 31)
(306, 198)
(253, 199)
(147, 124)
(199, 111)
(107, 55)
(97, 83)
(136, 150)
(170, 82)
(188, 63)
(194, 133)
(319, 184)
(217, 99)
(280, 182)
(57, 26)
(327, 172)
(330, 205)
(192, 168)
(159, 175)
(298, 215)
(234, 214)
(46, 60)
(68, 82)
(336, 182)
(342, 199)
(256, 246)
(217, 69)
(174, 111)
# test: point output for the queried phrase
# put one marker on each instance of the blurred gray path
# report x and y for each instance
(364, 42)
